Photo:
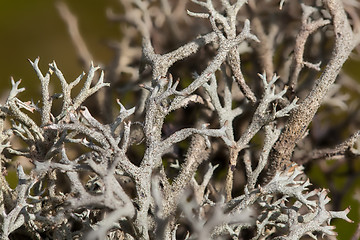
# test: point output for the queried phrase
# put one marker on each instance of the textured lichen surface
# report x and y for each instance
(207, 123)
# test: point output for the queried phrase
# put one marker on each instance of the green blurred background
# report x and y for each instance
(29, 29)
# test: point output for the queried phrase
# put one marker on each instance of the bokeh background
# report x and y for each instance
(29, 29)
